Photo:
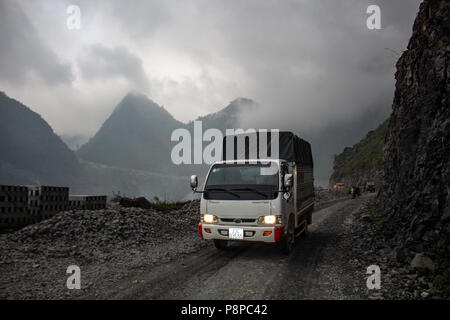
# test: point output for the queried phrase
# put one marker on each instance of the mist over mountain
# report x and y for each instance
(31, 153)
(329, 140)
(229, 117)
(136, 135)
(74, 142)
(131, 152)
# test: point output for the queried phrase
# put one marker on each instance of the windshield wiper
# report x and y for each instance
(251, 189)
(224, 190)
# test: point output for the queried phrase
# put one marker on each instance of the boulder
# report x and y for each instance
(421, 261)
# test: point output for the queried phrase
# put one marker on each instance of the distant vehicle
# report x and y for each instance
(354, 191)
(370, 186)
(339, 185)
(241, 201)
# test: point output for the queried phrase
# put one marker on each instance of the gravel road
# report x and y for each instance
(129, 253)
(316, 269)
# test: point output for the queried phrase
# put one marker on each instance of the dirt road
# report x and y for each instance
(316, 269)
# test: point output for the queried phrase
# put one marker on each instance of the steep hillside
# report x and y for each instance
(31, 153)
(363, 161)
(417, 181)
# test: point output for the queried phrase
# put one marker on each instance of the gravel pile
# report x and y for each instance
(85, 233)
(106, 244)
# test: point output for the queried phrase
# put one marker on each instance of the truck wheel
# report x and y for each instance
(287, 243)
(221, 244)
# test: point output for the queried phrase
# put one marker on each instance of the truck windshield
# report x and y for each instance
(241, 182)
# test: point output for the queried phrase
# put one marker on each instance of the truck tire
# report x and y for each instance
(221, 244)
(288, 241)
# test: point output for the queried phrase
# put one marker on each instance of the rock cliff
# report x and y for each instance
(415, 194)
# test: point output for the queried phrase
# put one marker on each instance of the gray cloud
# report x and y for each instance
(142, 18)
(24, 54)
(312, 66)
(315, 60)
(100, 62)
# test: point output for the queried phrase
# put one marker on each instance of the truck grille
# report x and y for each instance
(237, 220)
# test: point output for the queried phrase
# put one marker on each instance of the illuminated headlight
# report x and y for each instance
(270, 219)
(209, 218)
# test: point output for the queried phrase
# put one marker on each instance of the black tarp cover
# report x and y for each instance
(291, 147)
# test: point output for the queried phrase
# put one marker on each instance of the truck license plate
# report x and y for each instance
(236, 233)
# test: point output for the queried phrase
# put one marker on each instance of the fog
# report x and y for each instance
(311, 65)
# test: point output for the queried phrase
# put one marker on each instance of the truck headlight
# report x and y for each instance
(270, 219)
(209, 218)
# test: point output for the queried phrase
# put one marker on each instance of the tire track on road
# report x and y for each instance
(306, 275)
(249, 270)
(164, 281)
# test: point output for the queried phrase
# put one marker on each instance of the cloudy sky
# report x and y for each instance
(315, 59)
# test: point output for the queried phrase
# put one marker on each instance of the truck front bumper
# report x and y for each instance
(251, 233)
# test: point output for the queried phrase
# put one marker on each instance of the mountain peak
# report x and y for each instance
(239, 105)
(137, 99)
(138, 126)
(242, 101)
(135, 95)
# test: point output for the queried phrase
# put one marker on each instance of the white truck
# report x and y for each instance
(242, 200)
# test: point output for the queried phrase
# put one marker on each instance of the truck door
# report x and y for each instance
(288, 206)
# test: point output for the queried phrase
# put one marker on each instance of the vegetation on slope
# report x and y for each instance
(365, 156)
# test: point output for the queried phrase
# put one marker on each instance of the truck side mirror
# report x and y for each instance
(194, 182)
(288, 180)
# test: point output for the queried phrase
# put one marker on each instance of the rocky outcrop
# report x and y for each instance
(417, 146)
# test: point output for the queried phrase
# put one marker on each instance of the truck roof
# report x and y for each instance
(291, 147)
